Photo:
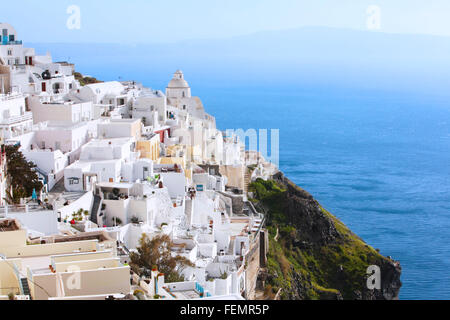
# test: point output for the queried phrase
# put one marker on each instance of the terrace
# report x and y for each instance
(186, 290)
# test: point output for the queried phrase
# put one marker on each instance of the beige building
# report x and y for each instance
(60, 267)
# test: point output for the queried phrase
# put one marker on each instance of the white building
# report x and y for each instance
(46, 108)
(100, 161)
(128, 195)
(29, 73)
(151, 107)
(14, 119)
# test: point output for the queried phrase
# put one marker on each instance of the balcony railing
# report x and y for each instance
(11, 96)
(9, 43)
(17, 119)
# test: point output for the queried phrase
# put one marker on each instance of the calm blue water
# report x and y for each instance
(379, 161)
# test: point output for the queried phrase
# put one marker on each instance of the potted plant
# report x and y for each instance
(135, 220)
(117, 221)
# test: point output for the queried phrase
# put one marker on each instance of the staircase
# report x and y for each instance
(247, 180)
(95, 208)
(23, 282)
(25, 288)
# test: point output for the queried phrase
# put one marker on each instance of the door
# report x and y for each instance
(146, 173)
(44, 87)
(5, 36)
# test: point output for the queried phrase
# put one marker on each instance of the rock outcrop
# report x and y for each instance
(316, 255)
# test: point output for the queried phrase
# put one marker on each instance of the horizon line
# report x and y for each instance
(225, 38)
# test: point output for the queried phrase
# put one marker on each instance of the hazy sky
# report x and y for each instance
(137, 21)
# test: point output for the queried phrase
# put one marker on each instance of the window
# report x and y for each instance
(9, 52)
(73, 181)
(12, 38)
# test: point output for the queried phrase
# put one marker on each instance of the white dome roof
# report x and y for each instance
(178, 81)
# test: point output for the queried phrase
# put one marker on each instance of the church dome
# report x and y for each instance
(178, 81)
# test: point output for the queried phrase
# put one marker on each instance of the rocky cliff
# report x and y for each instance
(312, 254)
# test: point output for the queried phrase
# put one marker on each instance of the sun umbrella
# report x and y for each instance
(34, 195)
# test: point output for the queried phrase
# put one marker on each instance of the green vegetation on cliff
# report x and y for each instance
(85, 80)
(312, 255)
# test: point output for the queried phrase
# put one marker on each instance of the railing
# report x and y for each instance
(9, 43)
(10, 96)
(27, 116)
(23, 208)
(19, 278)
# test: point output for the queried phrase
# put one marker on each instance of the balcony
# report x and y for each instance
(27, 116)
(11, 96)
(11, 43)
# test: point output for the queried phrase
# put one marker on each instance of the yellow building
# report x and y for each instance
(149, 149)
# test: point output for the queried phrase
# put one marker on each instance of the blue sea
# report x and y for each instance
(376, 156)
(379, 161)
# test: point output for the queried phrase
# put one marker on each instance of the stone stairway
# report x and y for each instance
(247, 180)
(25, 287)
